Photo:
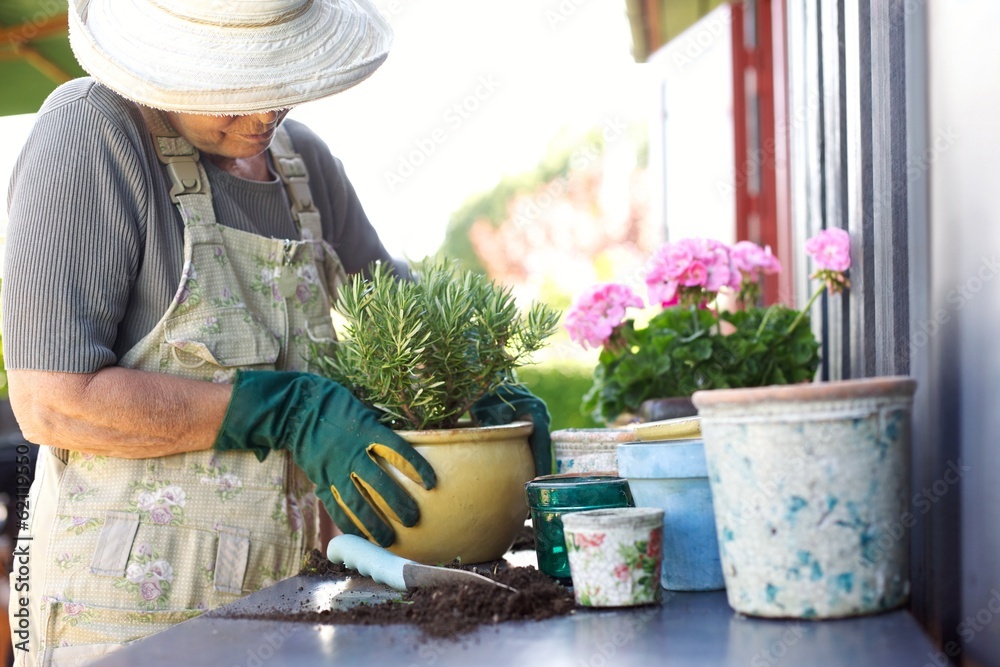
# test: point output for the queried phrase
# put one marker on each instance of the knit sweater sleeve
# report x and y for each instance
(77, 205)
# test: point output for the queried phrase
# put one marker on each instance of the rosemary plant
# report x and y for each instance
(423, 351)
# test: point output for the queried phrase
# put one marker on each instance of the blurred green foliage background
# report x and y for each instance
(561, 384)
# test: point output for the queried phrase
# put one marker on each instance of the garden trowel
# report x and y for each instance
(400, 573)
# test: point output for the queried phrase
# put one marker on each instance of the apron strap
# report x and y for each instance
(192, 193)
(292, 171)
(190, 190)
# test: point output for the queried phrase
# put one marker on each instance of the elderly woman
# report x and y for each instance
(173, 251)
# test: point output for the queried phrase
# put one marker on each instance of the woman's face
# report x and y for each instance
(228, 136)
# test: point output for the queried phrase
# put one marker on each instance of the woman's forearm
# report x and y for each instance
(118, 411)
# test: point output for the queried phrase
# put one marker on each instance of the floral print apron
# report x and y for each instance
(121, 549)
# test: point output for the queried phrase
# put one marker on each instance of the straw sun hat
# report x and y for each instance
(227, 56)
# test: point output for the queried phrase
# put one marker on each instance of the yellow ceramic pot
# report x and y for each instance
(478, 506)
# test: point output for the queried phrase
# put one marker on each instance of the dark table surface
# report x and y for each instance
(687, 629)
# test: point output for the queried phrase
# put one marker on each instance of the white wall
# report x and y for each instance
(691, 133)
(961, 332)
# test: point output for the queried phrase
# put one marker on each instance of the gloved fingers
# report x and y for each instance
(492, 410)
(384, 492)
(361, 515)
(339, 516)
(494, 414)
(374, 499)
(406, 460)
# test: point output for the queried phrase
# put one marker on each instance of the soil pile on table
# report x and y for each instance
(315, 564)
(454, 609)
(444, 611)
(525, 539)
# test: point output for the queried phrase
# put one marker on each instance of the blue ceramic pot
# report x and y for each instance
(672, 475)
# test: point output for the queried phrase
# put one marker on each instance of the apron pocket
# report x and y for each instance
(320, 330)
(114, 544)
(231, 559)
(218, 338)
(92, 631)
(322, 341)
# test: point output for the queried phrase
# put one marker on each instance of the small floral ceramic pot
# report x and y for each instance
(615, 555)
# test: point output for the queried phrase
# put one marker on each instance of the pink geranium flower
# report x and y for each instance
(720, 271)
(831, 249)
(598, 311)
(752, 260)
(689, 263)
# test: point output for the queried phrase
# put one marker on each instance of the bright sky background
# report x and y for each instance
(471, 91)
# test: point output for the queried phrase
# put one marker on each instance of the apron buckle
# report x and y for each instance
(186, 178)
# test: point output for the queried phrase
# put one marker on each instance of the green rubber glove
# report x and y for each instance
(335, 439)
(513, 402)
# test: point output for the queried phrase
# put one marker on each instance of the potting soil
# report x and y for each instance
(442, 611)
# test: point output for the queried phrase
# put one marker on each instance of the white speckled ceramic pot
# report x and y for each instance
(615, 555)
(586, 450)
(810, 485)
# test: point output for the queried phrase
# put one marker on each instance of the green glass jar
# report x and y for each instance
(551, 496)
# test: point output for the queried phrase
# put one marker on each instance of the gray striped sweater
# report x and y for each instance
(95, 247)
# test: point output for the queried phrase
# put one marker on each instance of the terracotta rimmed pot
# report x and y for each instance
(615, 555)
(810, 483)
(478, 506)
(587, 450)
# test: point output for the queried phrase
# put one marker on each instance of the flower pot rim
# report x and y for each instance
(566, 478)
(579, 491)
(888, 386)
(597, 434)
(605, 518)
(514, 429)
(663, 460)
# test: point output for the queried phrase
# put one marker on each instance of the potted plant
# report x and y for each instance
(808, 483)
(422, 353)
(693, 343)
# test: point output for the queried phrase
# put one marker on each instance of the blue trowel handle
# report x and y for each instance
(368, 559)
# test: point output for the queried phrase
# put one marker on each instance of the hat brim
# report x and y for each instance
(158, 59)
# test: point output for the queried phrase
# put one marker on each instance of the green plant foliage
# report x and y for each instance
(424, 351)
(682, 351)
(561, 385)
